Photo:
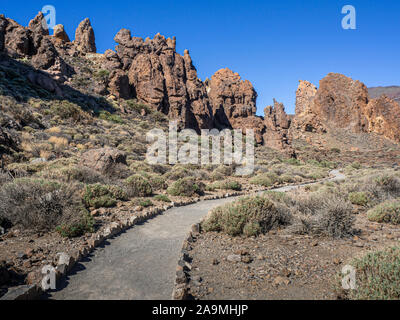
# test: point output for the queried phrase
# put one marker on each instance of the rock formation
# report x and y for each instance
(150, 71)
(343, 103)
(277, 124)
(85, 41)
(60, 34)
(159, 77)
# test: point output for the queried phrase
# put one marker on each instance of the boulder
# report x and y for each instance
(104, 160)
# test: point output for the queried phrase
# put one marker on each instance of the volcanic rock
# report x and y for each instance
(84, 37)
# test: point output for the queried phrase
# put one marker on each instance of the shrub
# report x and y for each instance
(103, 196)
(137, 186)
(74, 173)
(78, 228)
(40, 204)
(377, 276)
(264, 179)
(358, 198)
(356, 165)
(67, 110)
(225, 185)
(105, 115)
(156, 181)
(138, 107)
(146, 203)
(177, 173)
(249, 216)
(388, 212)
(293, 162)
(186, 187)
(323, 213)
(162, 197)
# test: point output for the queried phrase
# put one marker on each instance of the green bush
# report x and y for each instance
(225, 185)
(248, 216)
(388, 212)
(103, 196)
(356, 165)
(377, 276)
(77, 229)
(138, 107)
(156, 181)
(265, 179)
(146, 203)
(186, 187)
(105, 115)
(358, 198)
(137, 186)
(162, 197)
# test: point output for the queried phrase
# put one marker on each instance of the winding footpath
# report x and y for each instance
(140, 263)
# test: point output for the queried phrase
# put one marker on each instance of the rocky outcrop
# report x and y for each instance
(150, 71)
(231, 97)
(277, 124)
(84, 37)
(342, 103)
(234, 106)
(60, 34)
(383, 117)
(161, 78)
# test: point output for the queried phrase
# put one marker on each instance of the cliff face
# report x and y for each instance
(343, 103)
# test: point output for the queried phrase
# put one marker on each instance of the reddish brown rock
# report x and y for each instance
(103, 160)
(342, 103)
(17, 40)
(383, 117)
(60, 34)
(119, 85)
(277, 124)
(163, 79)
(231, 98)
(85, 41)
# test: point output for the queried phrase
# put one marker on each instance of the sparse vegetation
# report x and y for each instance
(40, 204)
(103, 196)
(358, 198)
(137, 186)
(387, 212)
(378, 276)
(249, 216)
(186, 187)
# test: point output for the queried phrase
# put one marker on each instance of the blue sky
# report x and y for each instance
(271, 43)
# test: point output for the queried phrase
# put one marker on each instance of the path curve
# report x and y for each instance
(140, 263)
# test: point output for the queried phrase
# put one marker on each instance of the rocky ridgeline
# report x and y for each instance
(152, 72)
(343, 103)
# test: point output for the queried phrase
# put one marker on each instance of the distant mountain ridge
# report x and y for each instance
(392, 92)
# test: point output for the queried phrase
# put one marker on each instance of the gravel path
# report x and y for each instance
(139, 264)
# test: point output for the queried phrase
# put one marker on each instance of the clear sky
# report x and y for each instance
(271, 43)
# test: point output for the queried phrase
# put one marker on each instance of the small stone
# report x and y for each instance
(215, 262)
(247, 259)
(281, 281)
(234, 258)
(314, 243)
